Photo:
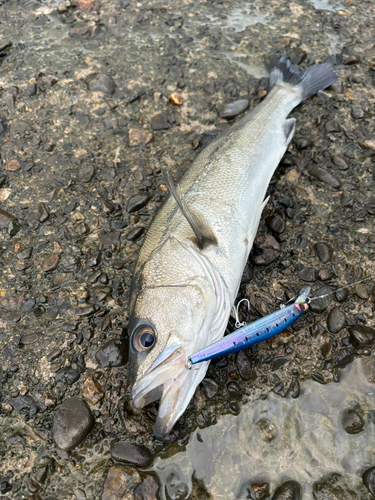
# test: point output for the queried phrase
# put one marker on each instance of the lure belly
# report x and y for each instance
(255, 332)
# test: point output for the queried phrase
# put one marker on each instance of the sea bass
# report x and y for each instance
(190, 265)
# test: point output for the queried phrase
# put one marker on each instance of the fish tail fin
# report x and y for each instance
(310, 81)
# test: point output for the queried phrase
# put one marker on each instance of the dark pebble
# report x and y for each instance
(261, 490)
(209, 387)
(5, 487)
(318, 377)
(325, 274)
(5, 218)
(71, 423)
(27, 306)
(302, 143)
(68, 375)
(9, 100)
(135, 233)
(335, 320)
(110, 239)
(53, 354)
(342, 358)
(244, 366)
(320, 305)
(265, 250)
(25, 405)
(278, 388)
(25, 254)
(290, 490)
(333, 487)
(131, 453)
(358, 113)
(352, 422)
(51, 262)
(323, 176)
(340, 163)
(275, 223)
(114, 353)
(32, 485)
(307, 274)
(120, 483)
(13, 228)
(159, 122)
(351, 60)
(29, 339)
(368, 479)
(137, 202)
(101, 83)
(234, 391)
(147, 490)
(324, 252)
(119, 224)
(361, 291)
(30, 91)
(234, 108)
(43, 212)
(86, 173)
(332, 126)
(342, 295)
(362, 336)
(279, 362)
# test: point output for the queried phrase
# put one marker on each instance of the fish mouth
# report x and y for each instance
(169, 380)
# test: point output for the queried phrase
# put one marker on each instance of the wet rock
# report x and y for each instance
(335, 320)
(332, 126)
(137, 202)
(120, 483)
(135, 233)
(176, 100)
(209, 387)
(265, 250)
(68, 375)
(275, 223)
(267, 430)
(13, 166)
(54, 354)
(51, 262)
(234, 391)
(322, 175)
(291, 490)
(325, 275)
(43, 212)
(86, 173)
(338, 86)
(278, 362)
(132, 453)
(342, 358)
(321, 305)
(29, 339)
(9, 100)
(139, 137)
(79, 31)
(110, 239)
(5, 218)
(261, 490)
(13, 227)
(30, 91)
(342, 295)
(318, 377)
(159, 122)
(119, 224)
(244, 366)
(352, 421)
(98, 82)
(349, 61)
(324, 252)
(71, 423)
(340, 163)
(5, 487)
(361, 291)
(307, 274)
(114, 353)
(368, 479)
(333, 487)
(25, 405)
(147, 490)
(362, 336)
(92, 390)
(358, 113)
(27, 306)
(234, 108)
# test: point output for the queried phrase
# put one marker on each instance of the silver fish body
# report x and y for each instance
(182, 294)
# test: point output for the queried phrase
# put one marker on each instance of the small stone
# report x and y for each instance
(159, 122)
(5, 218)
(368, 479)
(261, 491)
(13, 166)
(86, 173)
(243, 363)
(267, 430)
(132, 453)
(331, 127)
(25, 405)
(5, 45)
(176, 99)
(275, 223)
(51, 262)
(307, 274)
(137, 202)
(43, 212)
(138, 137)
(5, 487)
(54, 354)
(110, 239)
(92, 390)
(358, 113)
(29, 339)
(101, 83)
(349, 61)
(361, 291)
(340, 163)
(25, 254)
(79, 31)
(325, 274)
(234, 108)
(291, 490)
(342, 295)
(135, 233)
(120, 483)
(265, 250)
(362, 336)
(147, 490)
(119, 224)
(342, 358)
(324, 252)
(13, 228)
(234, 391)
(352, 422)
(113, 353)
(278, 362)
(209, 387)
(68, 375)
(71, 423)
(30, 91)
(322, 175)
(9, 100)
(338, 86)
(335, 320)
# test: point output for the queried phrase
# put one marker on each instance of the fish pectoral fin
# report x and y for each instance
(201, 230)
(289, 128)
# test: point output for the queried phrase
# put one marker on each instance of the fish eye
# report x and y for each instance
(144, 338)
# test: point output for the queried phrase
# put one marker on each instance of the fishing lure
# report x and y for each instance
(255, 332)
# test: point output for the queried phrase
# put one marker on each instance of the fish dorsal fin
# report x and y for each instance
(202, 232)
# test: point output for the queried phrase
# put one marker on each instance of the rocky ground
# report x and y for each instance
(94, 100)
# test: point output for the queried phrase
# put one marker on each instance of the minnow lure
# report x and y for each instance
(258, 331)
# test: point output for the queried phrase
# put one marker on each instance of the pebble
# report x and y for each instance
(290, 490)
(342, 295)
(25, 405)
(278, 362)
(325, 274)
(332, 126)
(358, 113)
(98, 82)
(135, 233)
(209, 387)
(234, 108)
(139, 137)
(147, 490)
(111, 238)
(132, 453)
(352, 421)
(342, 358)
(68, 375)
(9, 100)
(51, 262)
(362, 336)
(13, 228)
(368, 479)
(30, 91)
(338, 86)
(244, 365)
(340, 163)
(29, 339)
(275, 223)
(137, 202)
(13, 166)
(119, 224)
(361, 291)
(71, 423)
(261, 490)
(5, 218)
(92, 390)
(335, 320)
(234, 391)
(176, 100)
(5, 487)
(27, 306)
(323, 176)
(159, 122)
(307, 274)
(120, 483)
(324, 252)
(349, 61)
(86, 173)
(113, 353)
(79, 31)
(265, 250)
(267, 430)
(333, 487)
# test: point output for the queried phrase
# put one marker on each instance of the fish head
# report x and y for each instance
(173, 308)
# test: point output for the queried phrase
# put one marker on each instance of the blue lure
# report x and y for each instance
(255, 332)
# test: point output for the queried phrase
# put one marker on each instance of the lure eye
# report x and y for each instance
(144, 338)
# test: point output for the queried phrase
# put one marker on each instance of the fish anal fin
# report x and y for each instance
(289, 128)
(201, 230)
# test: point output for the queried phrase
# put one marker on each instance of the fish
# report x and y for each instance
(191, 262)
